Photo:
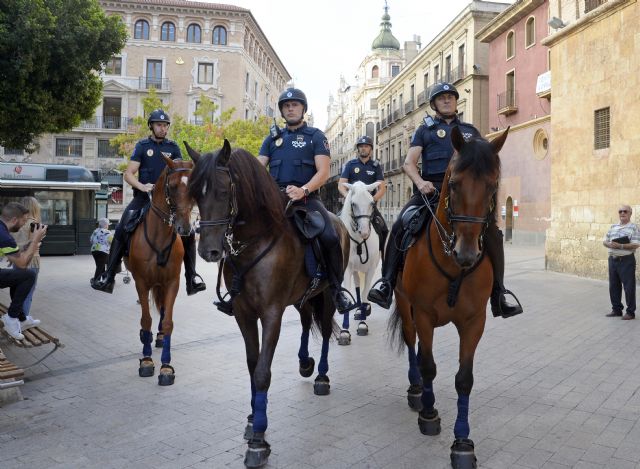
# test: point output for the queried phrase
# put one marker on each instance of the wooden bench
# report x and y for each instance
(33, 337)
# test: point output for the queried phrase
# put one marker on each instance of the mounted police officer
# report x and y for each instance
(148, 162)
(432, 143)
(298, 158)
(365, 169)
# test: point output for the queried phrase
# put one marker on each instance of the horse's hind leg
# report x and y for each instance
(324, 306)
(160, 334)
(462, 450)
(146, 367)
(306, 363)
(167, 374)
(428, 419)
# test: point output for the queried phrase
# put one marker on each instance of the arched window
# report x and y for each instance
(220, 36)
(511, 44)
(168, 32)
(194, 33)
(530, 32)
(375, 71)
(141, 30)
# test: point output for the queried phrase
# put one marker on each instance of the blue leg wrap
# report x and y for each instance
(323, 366)
(146, 337)
(428, 398)
(166, 350)
(345, 321)
(461, 427)
(303, 353)
(414, 371)
(260, 412)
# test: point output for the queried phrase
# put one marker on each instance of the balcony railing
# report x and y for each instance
(507, 103)
(422, 98)
(157, 83)
(592, 4)
(106, 123)
(268, 111)
(396, 115)
(458, 74)
(409, 107)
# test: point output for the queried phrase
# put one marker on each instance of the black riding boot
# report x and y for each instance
(335, 275)
(107, 280)
(495, 251)
(193, 285)
(381, 228)
(382, 295)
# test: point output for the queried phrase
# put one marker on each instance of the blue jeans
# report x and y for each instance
(26, 306)
(622, 274)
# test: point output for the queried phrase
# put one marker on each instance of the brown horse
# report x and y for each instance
(155, 260)
(243, 218)
(447, 279)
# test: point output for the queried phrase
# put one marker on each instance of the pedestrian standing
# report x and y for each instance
(100, 244)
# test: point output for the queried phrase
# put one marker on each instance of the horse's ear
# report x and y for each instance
(195, 156)
(373, 186)
(169, 161)
(225, 153)
(457, 139)
(498, 142)
(347, 185)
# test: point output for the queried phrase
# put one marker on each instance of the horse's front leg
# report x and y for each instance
(307, 364)
(146, 367)
(168, 295)
(428, 419)
(259, 449)
(462, 449)
(324, 303)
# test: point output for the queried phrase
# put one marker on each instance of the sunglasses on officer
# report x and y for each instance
(623, 211)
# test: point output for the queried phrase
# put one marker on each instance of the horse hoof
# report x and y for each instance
(248, 430)
(321, 386)
(344, 338)
(159, 340)
(307, 371)
(167, 375)
(147, 367)
(363, 329)
(414, 397)
(258, 452)
(462, 454)
(429, 423)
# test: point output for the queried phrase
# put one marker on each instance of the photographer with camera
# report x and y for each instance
(17, 218)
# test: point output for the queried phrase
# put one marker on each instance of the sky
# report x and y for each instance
(321, 40)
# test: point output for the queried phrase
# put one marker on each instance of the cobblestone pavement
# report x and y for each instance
(556, 387)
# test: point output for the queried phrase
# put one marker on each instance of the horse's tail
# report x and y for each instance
(157, 296)
(323, 310)
(395, 331)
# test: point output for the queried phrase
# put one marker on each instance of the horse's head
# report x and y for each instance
(468, 193)
(212, 188)
(172, 195)
(359, 204)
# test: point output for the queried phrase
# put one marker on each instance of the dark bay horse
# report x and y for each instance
(243, 218)
(447, 279)
(155, 260)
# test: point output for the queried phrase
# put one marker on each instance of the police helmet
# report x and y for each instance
(364, 140)
(442, 88)
(292, 94)
(158, 115)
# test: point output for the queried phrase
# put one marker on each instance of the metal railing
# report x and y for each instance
(507, 102)
(422, 98)
(146, 83)
(409, 107)
(592, 4)
(106, 123)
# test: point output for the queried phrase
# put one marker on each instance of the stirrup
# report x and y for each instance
(104, 284)
(376, 296)
(511, 310)
(350, 299)
(193, 287)
(223, 305)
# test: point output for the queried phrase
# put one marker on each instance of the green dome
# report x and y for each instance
(385, 40)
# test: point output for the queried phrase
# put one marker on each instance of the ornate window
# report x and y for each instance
(220, 36)
(168, 32)
(194, 33)
(141, 30)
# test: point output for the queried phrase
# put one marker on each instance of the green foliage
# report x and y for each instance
(50, 51)
(204, 137)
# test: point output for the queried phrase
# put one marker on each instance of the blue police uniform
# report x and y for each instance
(368, 173)
(292, 162)
(149, 154)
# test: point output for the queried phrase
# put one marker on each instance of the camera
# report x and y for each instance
(34, 226)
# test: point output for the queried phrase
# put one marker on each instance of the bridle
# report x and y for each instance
(354, 228)
(449, 240)
(169, 218)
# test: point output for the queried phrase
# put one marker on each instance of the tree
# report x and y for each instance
(50, 53)
(207, 135)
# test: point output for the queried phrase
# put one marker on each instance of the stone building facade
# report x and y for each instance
(595, 58)
(182, 49)
(520, 98)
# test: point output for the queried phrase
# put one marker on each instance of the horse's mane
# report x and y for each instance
(477, 155)
(257, 193)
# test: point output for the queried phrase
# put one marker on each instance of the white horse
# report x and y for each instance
(365, 251)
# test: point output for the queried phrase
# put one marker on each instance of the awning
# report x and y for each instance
(30, 184)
